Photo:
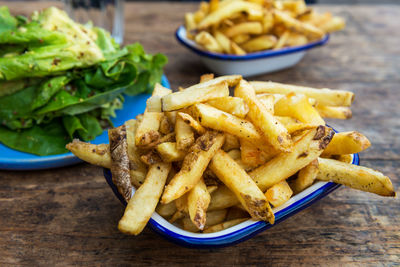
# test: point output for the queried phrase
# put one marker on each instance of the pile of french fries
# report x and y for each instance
(245, 26)
(206, 160)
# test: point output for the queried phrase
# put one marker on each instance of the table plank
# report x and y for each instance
(68, 216)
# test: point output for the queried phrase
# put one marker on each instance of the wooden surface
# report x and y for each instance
(68, 216)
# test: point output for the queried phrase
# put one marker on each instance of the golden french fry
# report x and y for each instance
(213, 5)
(222, 198)
(224, 225)
(241, 38)
(231, 142)
(237, 50)
(219, 120)
(147, 131)
(223, 41)
(346, 158)
(234, 154)
(193, 166)
(94, 154)
(296, 39)
(323, 96)
(165, 125)
(343, 113)
(356, 177)
(208, 41)
(259, 43)
(298, 106)
(305, 150)
(183, 134)
(274, 132)
(282, 40)
(245, 189)
(160, 90)
(171, 115)
(151, 157)
(268, 22)
(251, 27)
(268, 102)
(332, 25)
(169, 152)
(190, 23)
(305, 177)
(212, 218)
(279, 193)
(198, 201)
(233, 105)
(293, 125)
(206, 77)
(143, 203)
(252, 155)
(153, 104)
(347, 143)
(192, 122)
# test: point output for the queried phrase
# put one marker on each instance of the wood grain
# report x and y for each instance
(68, 216)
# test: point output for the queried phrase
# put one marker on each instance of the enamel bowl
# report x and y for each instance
(242, 231)
(252, 63)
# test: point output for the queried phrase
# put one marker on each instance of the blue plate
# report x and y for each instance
(11, 159)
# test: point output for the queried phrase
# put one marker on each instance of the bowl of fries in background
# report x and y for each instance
(208, 169)
(254, 37)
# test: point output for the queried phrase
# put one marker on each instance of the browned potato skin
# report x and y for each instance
(120, 161)
(94, 154)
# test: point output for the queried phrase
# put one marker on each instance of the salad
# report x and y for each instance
(61, 80)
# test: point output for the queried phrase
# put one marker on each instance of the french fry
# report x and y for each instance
(184, 134)
(323, 96)
(165, 125)
(298, 106)
(143, 203)
(169, 152)
(171, 115)
(253, 156)
(282, 40)
(237, 50)
(236, 179)
(212, 218)
(231, 142)
(236, 213)
(94, 154)
(160, 90)
(356, 177)
(234, 154)
(279, 193)
(222, 198)
(262, 42)
(296, 39)
(224, 225)
(198, 201)
(293, 125)
(268, 102)
(343, 113)
(212, 188)
(190, 23)
(193, 166)
(166, 210)
(305, 177)
(276, 133)
(334, 24)
(223, 42)
(241, 38)
(206, 77)
(208, 41)
(346, 158)
(347, 143)
(219, 120)
(147, 131)
(192, 122)
(153, 104)
(305, 150)
(233, 105)
(151, 157)
(252, 27)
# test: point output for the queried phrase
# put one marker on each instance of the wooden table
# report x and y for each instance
(68, 216)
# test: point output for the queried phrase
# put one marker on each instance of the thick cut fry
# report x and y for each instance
(254, 11)
(244, 28)
(183, 134)
(241, 38)
(169, 152)
(206, 77)
(305, 177)
(231, 142)
(302, 27)
(245, 189)
(120, 161)
(233, 105)
(252, 155)
(166, 138)
(190, 23)
(171, 115)
(296, 39)
(222, 121)
(212, 218)
(166, 210)
(298, 106)
(189, 96)
(293, 125)
(234, 154)
(279, 193)
(268, 102)
(346, 158)
(153, 104)
(198, 201)
(343, 113)
(323, 96)
(192, 122)
(223, 42)
(347, 143)
(208, 41)
(224, 225)
(222, 198)
(259, 43)
(237, 50)
(273, 131)
(150, 158)
(160, 90)
(147, 131)
(334, 24)
(282, 40)
(356, 177)
(94, 154)
(281, 167)
(193, 166)
(143, 203)
(165, 125)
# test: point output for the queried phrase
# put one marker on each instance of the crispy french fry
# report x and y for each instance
(224, 225)
(165, 125)
(293, 125)
(237, 50)
(143, 203)
(222, 198)
(153, 104)
(334, 24)
(305, 150)
(234, 154)
(279, 193)
(212, 218)
(356, 177)
(147, 131)
(347, 143)
(259, 43)
(150, 158)
(160, 90)
(346, 158)
(183, 134)
(282, 40)
(245, 189)
(268, 102)
(169, 152)
(171, 115)
(241, 38)
(190, 23)
(343, 113)
(223, 41)
(296, 39)
(94, 154)
(208, 41)
(192, 122)
(233, 105)
(206, 77)
(231, 142)
(219, 120)
(252, 27)
(275, 133)
(198, 201)
(193, 166)
(252, 155)
(298, 106)
(305, 177)
(323, 96)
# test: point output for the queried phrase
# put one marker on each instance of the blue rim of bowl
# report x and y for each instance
(243, 233)
(51, 161)
(250, 56)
